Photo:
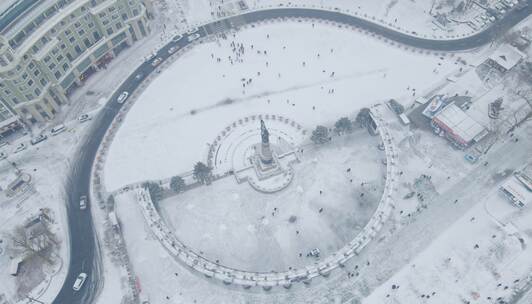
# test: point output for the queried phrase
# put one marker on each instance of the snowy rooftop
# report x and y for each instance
(518, 190)
(507, 56)
(459, 122)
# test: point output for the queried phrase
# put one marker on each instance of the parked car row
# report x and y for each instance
(40, 138)
(496, 11)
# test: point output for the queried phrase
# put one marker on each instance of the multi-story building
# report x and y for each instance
(48, 48)
(8, 120)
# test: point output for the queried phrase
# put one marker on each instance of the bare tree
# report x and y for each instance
(34, 243)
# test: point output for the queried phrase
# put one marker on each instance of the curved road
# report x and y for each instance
(83, 246)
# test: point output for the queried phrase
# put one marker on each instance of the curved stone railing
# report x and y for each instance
(267, 280)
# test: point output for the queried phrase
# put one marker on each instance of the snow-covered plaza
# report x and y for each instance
(324, 208)
(266, 151)
(308, 72)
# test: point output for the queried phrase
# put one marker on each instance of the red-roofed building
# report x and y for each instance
(459, 127)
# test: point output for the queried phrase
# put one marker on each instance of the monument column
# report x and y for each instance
(266, 156)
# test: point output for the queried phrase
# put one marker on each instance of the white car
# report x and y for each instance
(38, 139)
(20, 147)
(177, 38)
(3, 144)
(122, 97)
(192, 30)
(193, 37)
(172, 50)
(57, 129)
(156, 61)
(84, 118)
(150, 57)
(79, 281)
(83, 202)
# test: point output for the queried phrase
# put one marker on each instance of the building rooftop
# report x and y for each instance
(507, 56)
(460, 123)
(517, 190)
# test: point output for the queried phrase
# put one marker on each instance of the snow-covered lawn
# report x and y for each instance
(249, 230)
(474, 260)
(183, 109)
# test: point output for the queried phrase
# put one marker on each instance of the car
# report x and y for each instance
(3, 144)
(176, 38)
(84, 118)
(471, 158)
(83, 202)
(122, 97)
(172, 50)
(3, 155)
(20, 147)
(192, 30)
(156, 61)
(57, 129)
(193, 37)
(139, 76)
(79, 281)
(314, 252)
(38, 139)
(150, 57)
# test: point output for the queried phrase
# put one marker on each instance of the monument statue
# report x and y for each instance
(266, 156)
(264, 132)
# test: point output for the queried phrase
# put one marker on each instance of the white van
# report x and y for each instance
(57, 129)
